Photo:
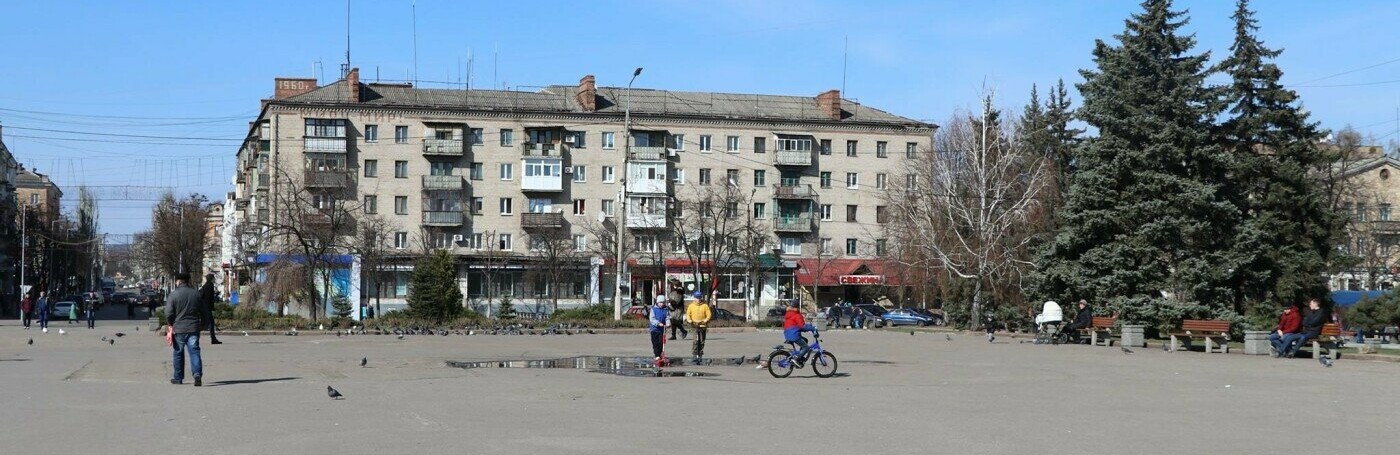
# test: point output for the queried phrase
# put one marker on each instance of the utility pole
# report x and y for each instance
(622, 197)
(23, 245)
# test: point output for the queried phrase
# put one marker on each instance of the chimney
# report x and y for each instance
(2, 134)
(830, 104)
(587, 94)
(287, 87)
(352, 82)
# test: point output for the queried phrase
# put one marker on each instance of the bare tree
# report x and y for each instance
(313, 222)
(372, 245)
(1370, 246)
(557, 263)
(718, 230)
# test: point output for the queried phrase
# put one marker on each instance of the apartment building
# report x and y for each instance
(500, 177)
(1373, 234)
(9, 228)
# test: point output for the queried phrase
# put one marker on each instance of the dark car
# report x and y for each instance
(721, 314)
(775, 315)
(902, 316)
(874, 314)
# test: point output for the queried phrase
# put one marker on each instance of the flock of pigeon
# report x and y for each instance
(508, 329)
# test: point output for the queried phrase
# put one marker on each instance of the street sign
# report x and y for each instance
(862, 280)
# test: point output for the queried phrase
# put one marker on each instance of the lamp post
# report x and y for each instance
(622, 196)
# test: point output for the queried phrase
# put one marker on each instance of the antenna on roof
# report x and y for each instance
(845, 51)
(345, 67)
(495, 60)
(415, 43)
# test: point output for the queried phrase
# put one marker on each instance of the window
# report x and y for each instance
(826, 212)
(645, 243)
(507, 171)
(760, 145)
(322, 201)
(881, 149)
(1384, 213)
(732, 175)
(607, 206)
(910, 181)
(852, 180)
(539, 205)
(371, 133)
(705, 211)
(678, 142)
(324, 127)
(705, 176)
(580, 208)
(801, 144)
(580, 139)
(880, 247)
(826, 146)
(759, 210)
(826, 245)
(792, 245)
(910, 149)
(34, 199)
(543, 168)
(580, 173)
(440, 168)
(607, 139)
(759, 176)
(371, 204)
(477, 171)
(850, 148)
(507, 137)
(731, 144)
(580, 242)
(609, 176)
(881, 214)
(826, 179)
(850, 247)
(401, 135)
(850, 213)
(506, 206)
(880, 181)
(400, 240)
(371, 168)
(476, 241)
(478, 205)
(678, 176)
(503, 242)
(704, 142)
(477, 136)
(400, 205)
(400, 169)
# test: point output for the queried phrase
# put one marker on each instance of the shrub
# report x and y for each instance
(599, 312)
(506, 310)
(341, 304)
(1375, 313)
(432, 290)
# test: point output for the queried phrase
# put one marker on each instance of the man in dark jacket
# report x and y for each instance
(186, 318)
(207, 298)
(1082, 320)
(1312, 327)
(26, 309)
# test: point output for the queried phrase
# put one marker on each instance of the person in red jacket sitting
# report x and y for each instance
(1288, 323)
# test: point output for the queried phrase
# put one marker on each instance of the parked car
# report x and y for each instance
(775, 315)
(936, 316)
(874, 314)
(61, 309)
(721, 314)
(906, 317)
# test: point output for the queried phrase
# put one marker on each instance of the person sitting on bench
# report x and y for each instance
(1082, 320)
(1312, 327)
(1288, 323)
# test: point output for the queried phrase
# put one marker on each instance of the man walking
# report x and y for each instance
(90, 312)
(207, 298)
(44, 312)
(26, 309)
(186, 320)
(699, 314)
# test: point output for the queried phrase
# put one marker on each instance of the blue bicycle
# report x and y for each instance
(781, 362)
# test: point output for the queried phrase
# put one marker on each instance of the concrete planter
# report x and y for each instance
(1256, 342)
(1133, 336)
(153, 323)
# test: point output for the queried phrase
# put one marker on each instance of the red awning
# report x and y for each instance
(828, 272)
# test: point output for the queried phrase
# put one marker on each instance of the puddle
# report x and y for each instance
(655, 373)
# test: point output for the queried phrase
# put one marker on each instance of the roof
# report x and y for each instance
(1366, 164)
(26, 178)
(831, 270)
(610, 100)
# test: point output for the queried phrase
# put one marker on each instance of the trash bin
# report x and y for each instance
(1256, 342)
(1133, 336)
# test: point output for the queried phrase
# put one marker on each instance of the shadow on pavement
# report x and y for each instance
(251, 381)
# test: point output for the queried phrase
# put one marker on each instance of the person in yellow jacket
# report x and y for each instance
(698, 315)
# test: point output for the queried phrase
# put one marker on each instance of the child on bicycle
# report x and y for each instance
(793, 326)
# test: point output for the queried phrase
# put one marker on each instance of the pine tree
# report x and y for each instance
(1034, 129)
(1143, 225)
(432, 289)
(1059, 112)
(1286, 243)
(341, 304)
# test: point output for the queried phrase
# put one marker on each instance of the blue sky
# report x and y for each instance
(198, 69)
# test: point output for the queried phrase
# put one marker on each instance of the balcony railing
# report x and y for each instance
(648, 153)
(543, 150)
(328, 179)
(442, 147)
(794, 192)
(323, 145)
(442, 182)
(649, 220)
(793, 158)
(442, 218)
(1385, 226)
(793, 223)
(542, 220)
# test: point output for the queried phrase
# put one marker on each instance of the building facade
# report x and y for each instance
(9, 230)
(1371, 194)
(527, 189)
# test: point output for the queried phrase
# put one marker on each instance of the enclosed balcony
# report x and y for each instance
(442, 182)
(442, 147)
(797, 192)
(328, 179)
(543, 149)
(792, 157)
(442, 218)
(542, 174)
(647, 213)
(324, 144)
(647, 177)
(793, 223)
(551, 220)
(264, 179)
(641, 153)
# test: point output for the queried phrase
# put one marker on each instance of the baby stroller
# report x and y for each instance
(1047, 325)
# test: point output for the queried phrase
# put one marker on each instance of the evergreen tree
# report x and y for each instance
(432, 290)
(341, 304)
(1143, 224)
(1286, 242)
(1034, 130)
(1063, 139)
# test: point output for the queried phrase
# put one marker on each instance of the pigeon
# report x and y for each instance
(1126, 350)
(948, 337)
(337, 334)
(471, 332)
(245, 333)
(31, 341)
(104, 338)
(591, 332)
(363, 361)
(119, 334)
(334, 394)
(1325, 361)
(400, 337)
(1165, 348)
(111, 342)
(911, 333)
(61, 332)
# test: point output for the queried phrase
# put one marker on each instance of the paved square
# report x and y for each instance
(901, 394)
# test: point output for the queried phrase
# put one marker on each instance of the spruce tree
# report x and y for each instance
(1059, 112)
(1285, 245)
(1144, 227)
(432, 289)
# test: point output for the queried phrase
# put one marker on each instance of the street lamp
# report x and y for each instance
(622, 195)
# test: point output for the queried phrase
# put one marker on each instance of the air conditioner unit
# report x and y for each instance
(457, 238)
(569, 139)
(568, 171)
(672, 153)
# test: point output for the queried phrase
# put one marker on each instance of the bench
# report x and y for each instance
(1213, 331)
(1330, 338)
(1100, 324)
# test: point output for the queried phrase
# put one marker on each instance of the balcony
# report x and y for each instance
(648, 153)
(651, 220)
(442, 147)
(792, 157)
(442, 218)
(542, 174)
(1385, 227)
(647, 177)
(442, 182)
(264, 179)
(543, 150)
(553, 220)
(324, 145)
(793, 223)
(328, 179)
(799, 192)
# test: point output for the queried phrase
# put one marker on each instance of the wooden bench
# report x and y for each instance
(1100, 324)
(1330, 338)
(1214, 332)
